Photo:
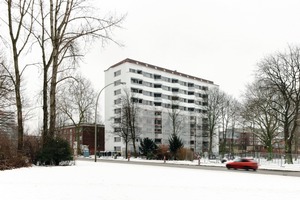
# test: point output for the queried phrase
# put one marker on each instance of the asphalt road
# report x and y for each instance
(200, 167)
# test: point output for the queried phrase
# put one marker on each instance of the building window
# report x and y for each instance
(157, 103)
(118, 82)
(146, 74)
(175, 106)
(167, 105)
(190, 84)
(191, 109)
(157, 130)
(136, 90)
(191, 93)
(117, 130)
(149, 103)
(182, 83)
(157, 85)
(145, 83)
(190, 101)
(157, 113)
(117, 101)
(157, 121)
(157, 140)
(117, 148)
(132, 70)
(117, 139)
(117, 120)
(136, 81)
(147, 93)
(175, 90)
(157, 94)
(116, 92)
(174, 80)
(157, 76)
(136, 100)
(117, 73)
(175, 98)
(117, 110)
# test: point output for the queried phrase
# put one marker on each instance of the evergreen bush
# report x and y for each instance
(55, 151)
(175, 143)
(148, 148)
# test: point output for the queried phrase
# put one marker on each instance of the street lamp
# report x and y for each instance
(95, 148)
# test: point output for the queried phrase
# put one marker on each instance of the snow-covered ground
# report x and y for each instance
(118, 181)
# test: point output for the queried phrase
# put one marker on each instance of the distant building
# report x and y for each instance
(155, 89)
(86, 136)
(9, 127)
(244, 141)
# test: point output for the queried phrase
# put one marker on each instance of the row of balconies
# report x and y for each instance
(161, 86)
(158, 77)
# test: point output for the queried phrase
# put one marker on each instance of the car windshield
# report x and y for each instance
(237, 160)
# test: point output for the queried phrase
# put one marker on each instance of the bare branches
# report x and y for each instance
(6, 85)
(18, 14)
(65, 26)
(280, 73)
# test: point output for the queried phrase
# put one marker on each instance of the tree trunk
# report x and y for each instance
(45, 107)
(17, 82)
(134, 148)
(126, 149)
(288, 151)
(78, 139)
(53, 103)
(19, 115)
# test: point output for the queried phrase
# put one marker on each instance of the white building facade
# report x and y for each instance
(157, 90)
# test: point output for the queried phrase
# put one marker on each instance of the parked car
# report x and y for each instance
(242, 163)
(223, 160)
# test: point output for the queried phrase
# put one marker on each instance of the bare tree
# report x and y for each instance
(64, 27)
(227, 118)
(76, 101)
(213, 107)
(258, 109)
(130, 103)
(20, 23)
(235, 119)
(281, 72)
(175, 116)
(120, 125)
(126, 120)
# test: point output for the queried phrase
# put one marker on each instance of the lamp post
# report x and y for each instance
(95, 148)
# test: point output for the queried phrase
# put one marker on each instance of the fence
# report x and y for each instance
(267, 158)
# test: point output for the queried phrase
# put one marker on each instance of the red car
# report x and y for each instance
(242, 163)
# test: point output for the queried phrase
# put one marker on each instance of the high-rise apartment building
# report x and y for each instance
(158, 92)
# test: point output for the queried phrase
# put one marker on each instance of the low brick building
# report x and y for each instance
(86, 136)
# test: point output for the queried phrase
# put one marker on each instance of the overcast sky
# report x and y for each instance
(218, 40)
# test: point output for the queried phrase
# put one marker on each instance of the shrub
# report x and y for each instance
(185, 154)
(55, 151)
(9, 156)
(32, 145)
(162, 151)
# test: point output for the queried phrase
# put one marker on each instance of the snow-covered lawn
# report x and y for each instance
(118, 181)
